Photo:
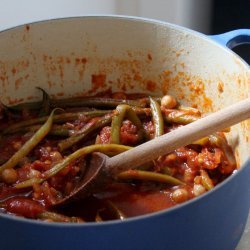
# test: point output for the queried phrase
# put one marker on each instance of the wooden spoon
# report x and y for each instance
(103, 169)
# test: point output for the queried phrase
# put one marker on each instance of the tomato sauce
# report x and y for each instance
(28, 189)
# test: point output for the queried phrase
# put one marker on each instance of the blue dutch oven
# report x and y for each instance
(44, 54)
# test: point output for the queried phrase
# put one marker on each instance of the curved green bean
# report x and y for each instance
(116, 124)
(26, 106)
(157, 117)
(202, 142)
(97, 102)
(103, 148)
(190, 110)
(133, 117)
(98, 217)
(56, 130)
(30, 144)
(67, 143)
(60, 118)
(206, 181)
(45, 105)
(116, 211)
(220, 141)
(83, 102)
(56, 217)
(124, 110)
(179, 117)
(149, 176)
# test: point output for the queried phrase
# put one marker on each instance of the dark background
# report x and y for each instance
(228, 15)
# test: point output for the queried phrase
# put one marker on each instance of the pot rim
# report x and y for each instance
(136, 19)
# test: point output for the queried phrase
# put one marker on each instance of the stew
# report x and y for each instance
(45, 148)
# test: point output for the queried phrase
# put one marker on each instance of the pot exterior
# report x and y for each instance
(215, 221)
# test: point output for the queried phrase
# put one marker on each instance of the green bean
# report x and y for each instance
(167, 170)
(60, 118)
(133, 117)
(149, 176)
(57, 130)
(147, 166)
(67, 143)
(29, 182)
(190, 110)
(142, 111)
(45, 106)
(103, 148)
(30, 144)
(220, 141)
(56, 217)
(98, 217)
(2, 161)
(4, 110)
(40, 105)
(116, 124)
(206, 181)
(75, 102)
(26, 106)
(111, 209)
(179, 117)
(97, 102)
(118, 214)
(83, 102)
(202, 142)
(124, 110)
(157, 117)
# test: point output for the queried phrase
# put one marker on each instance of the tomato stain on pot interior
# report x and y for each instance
(98, 81)
(18, 82)
(80, 64)
(151, 85)
(150, 58)
(13, 70)
(27, 27)
(220, 87)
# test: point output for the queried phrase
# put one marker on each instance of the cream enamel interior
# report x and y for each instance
(61, 56)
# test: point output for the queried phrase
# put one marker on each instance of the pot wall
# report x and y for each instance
(76, 56)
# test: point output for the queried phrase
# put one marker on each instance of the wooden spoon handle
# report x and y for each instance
(180, 137)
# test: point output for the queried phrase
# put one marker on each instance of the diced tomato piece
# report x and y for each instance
(209, 160)
(129, 133)
(105, 135)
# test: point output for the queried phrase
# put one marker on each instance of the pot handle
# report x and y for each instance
(233, 38)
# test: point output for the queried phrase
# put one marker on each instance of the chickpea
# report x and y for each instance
(197, 180)
(48, 149)
(198, 190)
(188, 175)
(9, 175)
(47, 162)
(180, 195)
(55, 156)
(171, 157)
(34, 174)
(168, 102)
